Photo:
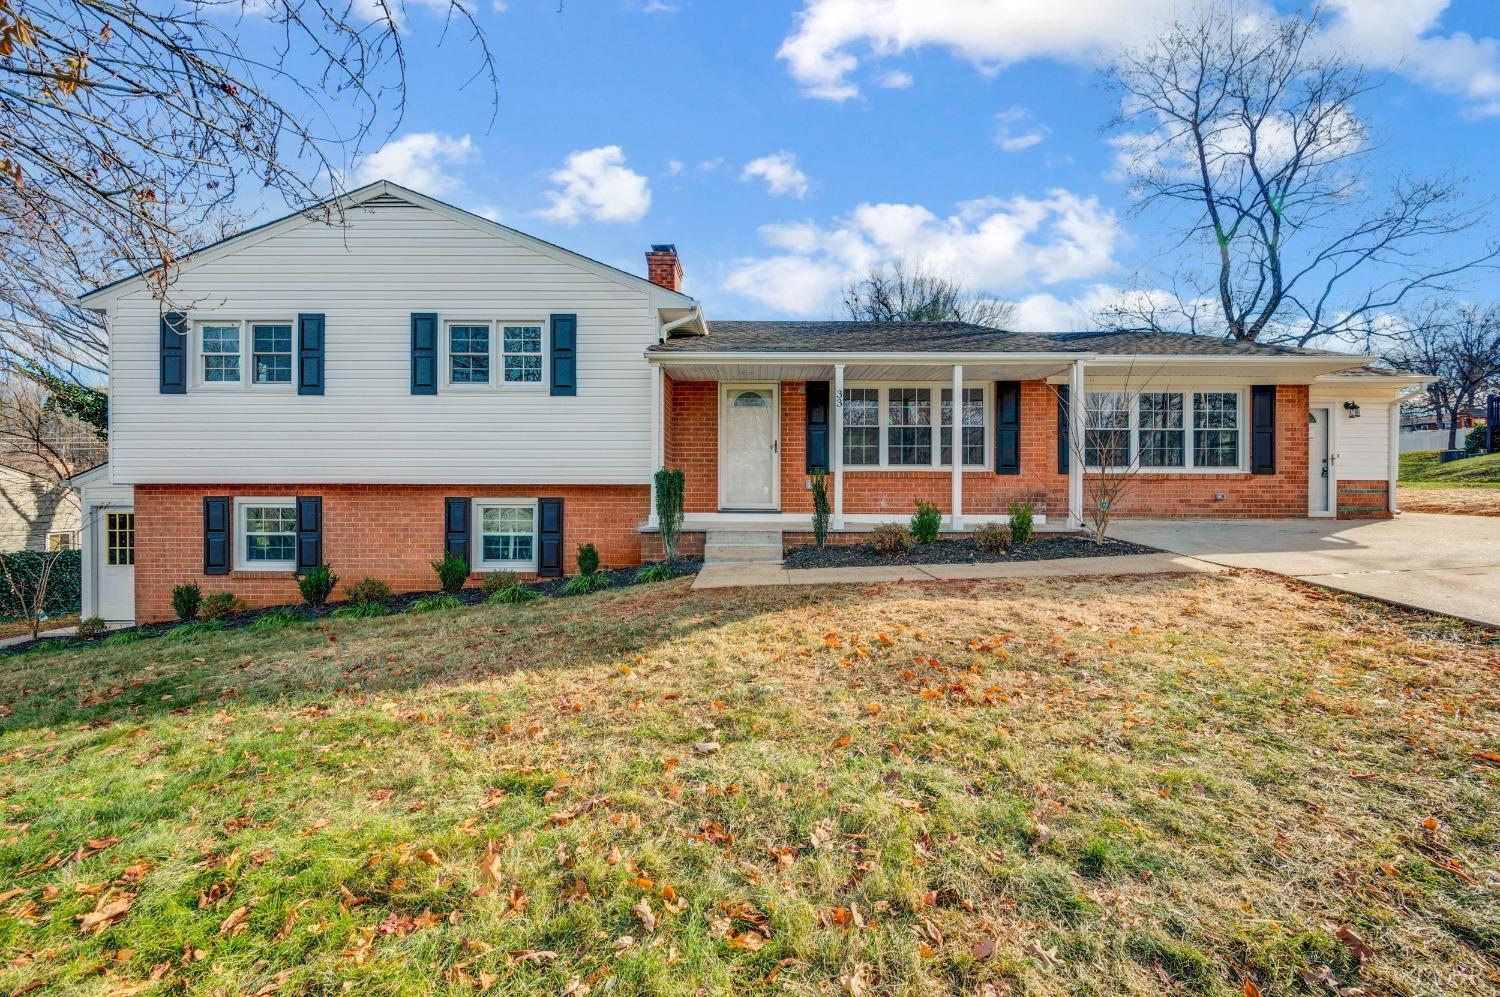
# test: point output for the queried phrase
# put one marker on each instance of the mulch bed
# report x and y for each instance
(965, 551)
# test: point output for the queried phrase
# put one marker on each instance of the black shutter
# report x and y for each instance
(1007, 427)
(424, 353)
(1062, 429)
(174, 354)
(1263, 429)
(817, 426)
(216, 540)
(456, 521)
(309, 533)
(309, 354)
(564, 354)
(549, 537)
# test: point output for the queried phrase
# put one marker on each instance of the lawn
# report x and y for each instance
(1423, 466)
(1198, 784)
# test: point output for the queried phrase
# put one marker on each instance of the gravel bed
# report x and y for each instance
(965, 551)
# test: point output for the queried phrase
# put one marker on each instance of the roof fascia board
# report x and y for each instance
(934, 359)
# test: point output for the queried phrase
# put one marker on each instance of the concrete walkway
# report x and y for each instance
(718, 576)
(1442, 564)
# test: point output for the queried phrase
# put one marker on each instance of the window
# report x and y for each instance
(271, 347)
(221, 354)
(59, 541)
(119, 539)
(1216, 432)
(909, 422)
(861, 426)
(1106, 429)
(971, 427)
(507, 535)
(522, 346)
(469, 354)
(268, 528)
(1162, 434)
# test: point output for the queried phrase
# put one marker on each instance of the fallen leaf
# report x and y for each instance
(1357, 945)
(235, 922)
(642, 910)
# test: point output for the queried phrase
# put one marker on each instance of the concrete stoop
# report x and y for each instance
(742, 547)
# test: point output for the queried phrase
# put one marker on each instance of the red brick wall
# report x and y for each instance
(692, 441)
(1364, 500)
(390, 532)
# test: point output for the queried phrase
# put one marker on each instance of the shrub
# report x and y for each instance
(24, 569)
(926, 523)
(654, 573)
(588, 559)
(671, 489)
(358, 611)
(584, 584)
(452, 572)
(435, 603)
(196, 629)
(92, 628)
(317, 584)
(495, 581)
(891, 539)
(992, 538)
(277, 619)
(219, 605)
(1474, 440)
(48, 646)
(1020, 521)
(123, 637)
(514, 594)
(822, 510)
(185, 601)
(367, 590)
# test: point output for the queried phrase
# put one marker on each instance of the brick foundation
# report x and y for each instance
(1364, 500)
(390, 532)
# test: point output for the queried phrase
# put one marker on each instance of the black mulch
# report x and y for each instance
(618, 578)
(1042, 548)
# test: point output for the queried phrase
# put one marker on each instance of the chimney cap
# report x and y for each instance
(663, 247)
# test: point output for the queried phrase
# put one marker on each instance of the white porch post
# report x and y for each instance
(1076, 448)
(658, 438)
(956, 519)
(836, 446)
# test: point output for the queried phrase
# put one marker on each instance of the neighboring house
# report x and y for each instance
(37, 512)
(422, 380)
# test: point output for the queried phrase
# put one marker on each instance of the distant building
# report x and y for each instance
(36, 512)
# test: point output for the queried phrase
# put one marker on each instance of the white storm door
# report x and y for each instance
(1319, 474)
(114, 564)
(749, 446)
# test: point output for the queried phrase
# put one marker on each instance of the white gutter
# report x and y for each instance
(677, 323)
(939, 359)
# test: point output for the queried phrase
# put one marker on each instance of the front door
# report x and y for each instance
(749, 447)
(114, 564)
(1319, 474)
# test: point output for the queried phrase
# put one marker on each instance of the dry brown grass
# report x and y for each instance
(1463, 500)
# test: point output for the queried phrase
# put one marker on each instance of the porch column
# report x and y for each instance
(658, 438)
(836, 447)
(1075, 446)
(956, 519)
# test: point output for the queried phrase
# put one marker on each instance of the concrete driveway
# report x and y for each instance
(1445, 564)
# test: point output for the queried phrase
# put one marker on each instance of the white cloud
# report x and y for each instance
(422, 161)
(1015, 130)
(1401, 35)
(596, 183)
(993, 245)
(896, 79)
(779, 171)
(674, 167)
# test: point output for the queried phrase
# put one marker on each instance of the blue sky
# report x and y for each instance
(782, 144)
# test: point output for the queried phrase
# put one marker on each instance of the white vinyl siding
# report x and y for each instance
(1362, 445)
(367, 279)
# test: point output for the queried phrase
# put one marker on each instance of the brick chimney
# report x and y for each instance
(663, 267)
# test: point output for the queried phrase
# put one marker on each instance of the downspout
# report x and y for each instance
(1393, 472)
(695, 315)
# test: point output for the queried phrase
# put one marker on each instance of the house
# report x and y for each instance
(418, 379)
(37, 512)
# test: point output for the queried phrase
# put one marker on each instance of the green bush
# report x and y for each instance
(277, 619)
(891, 539)
(123, 637)
(435, 603)
(654, 573)
(584, 584)
(927, 523)
(367, 590)
(452, 572)
(358, 611)
(588, 559)
(196, 629)
(186, 599)
(1473, 441)
(671, 491)
(316, 584)
(64, 582)
(1020, 521)
(92, 628)
(822, 510)
(992, 538)
(48, 646)
(495, 581)
(513, 594)
(219, 605)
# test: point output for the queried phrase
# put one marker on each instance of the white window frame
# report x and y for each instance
(247, 380)
(541, 354)
(476, 527)
(242, 560)
(200, 361)
(1241, 394)
(64, 540)
(447, 351)
(883, 390)
(497, 381)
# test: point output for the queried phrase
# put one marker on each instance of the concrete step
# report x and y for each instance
(742, 547)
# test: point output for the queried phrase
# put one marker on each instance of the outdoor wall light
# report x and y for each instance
(1352, 408)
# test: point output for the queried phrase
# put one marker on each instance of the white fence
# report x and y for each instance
(1429, 439)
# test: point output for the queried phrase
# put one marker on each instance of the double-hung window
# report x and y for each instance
(271, 353)
(267, 534)
(862, 427)
(1163, 433)
(1106, 429)
(507, 534)
(469, 353)
(971, 427)
(220, 349)
(1216, 429)
(522, 345)
(909, 427)
(912, 426)
(1163, 430)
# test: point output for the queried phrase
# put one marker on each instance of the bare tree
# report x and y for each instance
(1245, 129)
(909, 292)
(128, 129)
(1111, 455)
(1460, 346)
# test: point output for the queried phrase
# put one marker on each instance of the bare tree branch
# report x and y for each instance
(909, 292)
(1460, 346)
